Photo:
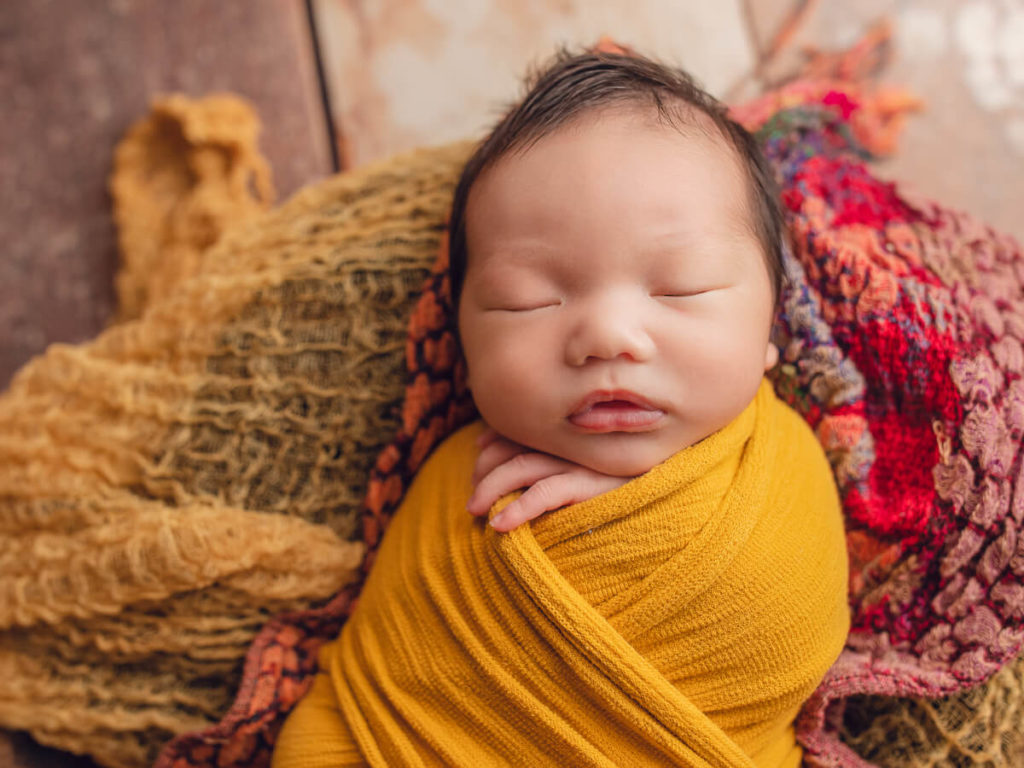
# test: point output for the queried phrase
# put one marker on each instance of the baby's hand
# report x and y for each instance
(550, 482)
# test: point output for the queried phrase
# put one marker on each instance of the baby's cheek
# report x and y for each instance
(513, 364)
(504, 377)
(508, 390)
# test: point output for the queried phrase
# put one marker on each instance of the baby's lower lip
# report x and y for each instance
(616, 416)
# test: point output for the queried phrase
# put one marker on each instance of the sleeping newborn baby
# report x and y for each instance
(662, 576)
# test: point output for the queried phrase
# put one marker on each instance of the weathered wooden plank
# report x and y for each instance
(74, 76)
(405, 73)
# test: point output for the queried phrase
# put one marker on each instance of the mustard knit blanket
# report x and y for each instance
(680, 619)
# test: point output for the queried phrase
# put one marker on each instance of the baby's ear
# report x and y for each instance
(771, 356)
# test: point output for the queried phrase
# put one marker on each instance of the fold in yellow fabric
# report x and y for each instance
(681, 619)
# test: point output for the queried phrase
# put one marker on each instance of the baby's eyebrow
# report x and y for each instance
(669, 241)
(514, 255)
(736, 231)
(525, 246)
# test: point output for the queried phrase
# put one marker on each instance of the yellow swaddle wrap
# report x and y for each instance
(680, 619)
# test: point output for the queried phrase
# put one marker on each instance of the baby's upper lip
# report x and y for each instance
(610, 395)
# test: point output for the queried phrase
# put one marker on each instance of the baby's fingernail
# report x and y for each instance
(496, 519)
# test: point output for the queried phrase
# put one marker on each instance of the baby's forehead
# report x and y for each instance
(687, 123)
(689, 135)
(683, 125)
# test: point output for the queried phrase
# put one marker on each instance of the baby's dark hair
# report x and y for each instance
(572, 84)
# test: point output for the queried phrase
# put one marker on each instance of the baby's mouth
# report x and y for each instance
(616, 411)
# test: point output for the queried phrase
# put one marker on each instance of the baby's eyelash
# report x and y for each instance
(677, 294)
(683, 294)
(528, 308)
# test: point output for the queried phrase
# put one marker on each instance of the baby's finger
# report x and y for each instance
(521, 470)
(497, 452)
(553, 492)
(486, 437)
(543, 496)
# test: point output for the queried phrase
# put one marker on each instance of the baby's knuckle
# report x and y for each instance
(547, 491)
(521, 461)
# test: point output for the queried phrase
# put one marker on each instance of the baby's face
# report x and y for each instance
(616, 306)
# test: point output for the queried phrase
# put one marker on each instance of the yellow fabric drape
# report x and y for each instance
(680, 619)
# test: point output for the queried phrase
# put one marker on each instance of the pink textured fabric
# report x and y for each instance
(901, 336)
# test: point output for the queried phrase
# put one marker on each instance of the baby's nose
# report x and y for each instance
(606, 333)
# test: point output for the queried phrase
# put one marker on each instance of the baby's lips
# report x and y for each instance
(599, 396)
(615, 410)
(616, 415)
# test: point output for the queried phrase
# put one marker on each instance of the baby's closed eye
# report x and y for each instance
(525, 304)
(519, 296)
(688, 292)
(518, 293)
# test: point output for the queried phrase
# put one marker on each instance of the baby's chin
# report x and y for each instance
(621, 463)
